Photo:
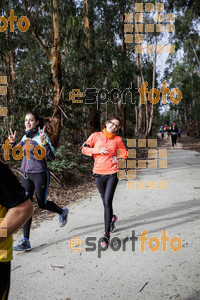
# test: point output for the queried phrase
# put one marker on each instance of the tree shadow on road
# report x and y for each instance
(145, 218)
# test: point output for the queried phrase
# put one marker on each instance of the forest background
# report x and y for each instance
(81, 44)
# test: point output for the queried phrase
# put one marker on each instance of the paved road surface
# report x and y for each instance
(53, 271)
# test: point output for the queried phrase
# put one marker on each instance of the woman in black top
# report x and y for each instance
(174, 132)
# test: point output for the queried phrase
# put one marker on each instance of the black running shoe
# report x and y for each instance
(113, 223)
(106, 239)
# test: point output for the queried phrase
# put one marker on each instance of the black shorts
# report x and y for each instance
(4, 279)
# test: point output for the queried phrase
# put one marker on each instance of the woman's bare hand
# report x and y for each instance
(43, 137)
(12, 136)
(114, 159)
(103, 150)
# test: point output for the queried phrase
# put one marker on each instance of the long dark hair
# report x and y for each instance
(37, 118)
(110, 119)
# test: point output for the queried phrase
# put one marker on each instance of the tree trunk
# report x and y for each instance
(86, 22)
(88, 27)
(146, 102)
(136, 120)
(139, 129)
(153, 85)
(55, 63)
(13, 74)
(122, 27)
(122, 107)
(186, 121)
(54, 59)
(55, 67)
(8, 72)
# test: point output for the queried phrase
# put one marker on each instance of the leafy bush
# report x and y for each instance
(67, 159)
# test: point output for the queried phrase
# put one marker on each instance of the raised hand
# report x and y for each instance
(12, 136)
(43, 137)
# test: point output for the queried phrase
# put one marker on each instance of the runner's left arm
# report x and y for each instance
(123, 153)
(50, 152)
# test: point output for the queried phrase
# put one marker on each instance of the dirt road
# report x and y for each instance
(53, 271)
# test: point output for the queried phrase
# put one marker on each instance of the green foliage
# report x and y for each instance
(101, 65)
(67, 160)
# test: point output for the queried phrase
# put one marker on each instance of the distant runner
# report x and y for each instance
(179, 134)
(174, 132)
(168, 131)
(162, 131)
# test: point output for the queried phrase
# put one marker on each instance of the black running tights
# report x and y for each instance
(38, 182)
(174, 138)
(106, 185)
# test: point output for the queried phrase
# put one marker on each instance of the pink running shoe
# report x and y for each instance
(106, 239)
(112, 226)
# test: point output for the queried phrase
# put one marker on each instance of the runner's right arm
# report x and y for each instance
(122, 150)
(88, 147)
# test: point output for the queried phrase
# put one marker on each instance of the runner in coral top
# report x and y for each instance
(103, 146)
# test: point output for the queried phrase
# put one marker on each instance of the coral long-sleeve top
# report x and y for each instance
(103, 163)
